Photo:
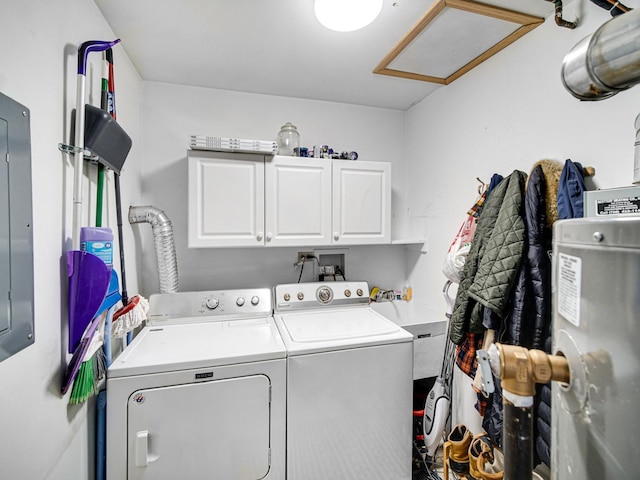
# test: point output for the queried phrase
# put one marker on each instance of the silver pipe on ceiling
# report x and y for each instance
(606, 62)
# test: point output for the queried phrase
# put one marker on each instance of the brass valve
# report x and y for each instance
(520, 368)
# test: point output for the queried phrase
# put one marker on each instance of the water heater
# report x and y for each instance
(596, 326)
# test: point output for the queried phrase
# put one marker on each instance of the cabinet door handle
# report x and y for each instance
(259, 236)
(269, 235)
(336, 236)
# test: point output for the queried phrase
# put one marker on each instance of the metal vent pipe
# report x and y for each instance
(606, 62)
(164, 244)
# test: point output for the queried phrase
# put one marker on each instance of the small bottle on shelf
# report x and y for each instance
(407, 293)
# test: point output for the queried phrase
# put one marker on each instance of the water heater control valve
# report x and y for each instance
(520, 369)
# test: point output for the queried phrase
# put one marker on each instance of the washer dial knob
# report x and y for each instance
(255, 300)
(240, 301)
(324, 295)
(212, 303)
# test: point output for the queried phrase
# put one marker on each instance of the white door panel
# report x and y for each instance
(218, 429)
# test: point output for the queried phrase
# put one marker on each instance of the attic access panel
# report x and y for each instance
(453, 37)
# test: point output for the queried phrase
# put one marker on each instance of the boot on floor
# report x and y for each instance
(456, 452)
(485, 462)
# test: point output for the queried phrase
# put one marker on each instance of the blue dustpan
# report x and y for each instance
(113, 293)
(89, 280)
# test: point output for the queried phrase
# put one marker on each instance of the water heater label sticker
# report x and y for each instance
(569, 285)
(619, 206)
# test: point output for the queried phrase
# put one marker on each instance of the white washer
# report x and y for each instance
(200, 392)
(349, 384)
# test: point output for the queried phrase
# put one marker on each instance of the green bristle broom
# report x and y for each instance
(85, 384)
(93, 368)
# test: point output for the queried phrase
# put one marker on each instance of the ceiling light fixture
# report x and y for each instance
(347, 15)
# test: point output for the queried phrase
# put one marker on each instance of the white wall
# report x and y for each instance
(172, 113)
(506, 114)
(42, 436)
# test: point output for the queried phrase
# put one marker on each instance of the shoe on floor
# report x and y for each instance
(485, 461)
(456, 451)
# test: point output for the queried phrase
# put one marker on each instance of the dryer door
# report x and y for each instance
(217, 429)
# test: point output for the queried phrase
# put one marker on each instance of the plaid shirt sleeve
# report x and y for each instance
(466, 353)
(467, 362)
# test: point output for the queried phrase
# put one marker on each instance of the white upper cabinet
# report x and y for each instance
(239, 200)
(361, 202)
(226, 199)
(297, 201)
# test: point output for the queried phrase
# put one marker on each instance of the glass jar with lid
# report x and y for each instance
(288, 140)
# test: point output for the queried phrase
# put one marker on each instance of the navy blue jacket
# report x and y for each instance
(570, 205)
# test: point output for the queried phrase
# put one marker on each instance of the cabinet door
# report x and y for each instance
(226, 199)
(361, 202)
(297, 201)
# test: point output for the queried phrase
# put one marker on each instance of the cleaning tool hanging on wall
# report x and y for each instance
(81, 355)
(134, 310)
(97, 240)
(105, 102)
(92, 366)
(78, 356)
(88, 275)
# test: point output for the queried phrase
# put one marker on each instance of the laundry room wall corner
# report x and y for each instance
(39, 69)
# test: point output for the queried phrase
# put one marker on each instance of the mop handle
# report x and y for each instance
(123, 276)
(116, 180)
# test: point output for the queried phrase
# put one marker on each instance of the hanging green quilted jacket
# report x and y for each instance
(491, 267)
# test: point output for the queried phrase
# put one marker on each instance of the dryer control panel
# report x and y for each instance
(293, 296)
(209, 306)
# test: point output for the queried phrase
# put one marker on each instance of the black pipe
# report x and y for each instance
(614, 8)
(517, 441)
(561, 22)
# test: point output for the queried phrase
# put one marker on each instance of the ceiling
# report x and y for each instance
(274, 47)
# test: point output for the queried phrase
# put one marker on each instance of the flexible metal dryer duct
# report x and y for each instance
(165, 247)
(606, 62)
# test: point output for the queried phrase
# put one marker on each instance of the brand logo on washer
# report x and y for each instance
(139, 398)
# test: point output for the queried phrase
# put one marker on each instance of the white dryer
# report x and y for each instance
(349, 384)
(200, 392)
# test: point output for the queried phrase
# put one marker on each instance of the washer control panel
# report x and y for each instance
(214, 305)
(294, 296)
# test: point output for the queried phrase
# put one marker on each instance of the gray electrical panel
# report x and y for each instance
(16, 238)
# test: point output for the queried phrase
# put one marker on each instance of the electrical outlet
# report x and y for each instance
(303, 257)
(327, 270)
